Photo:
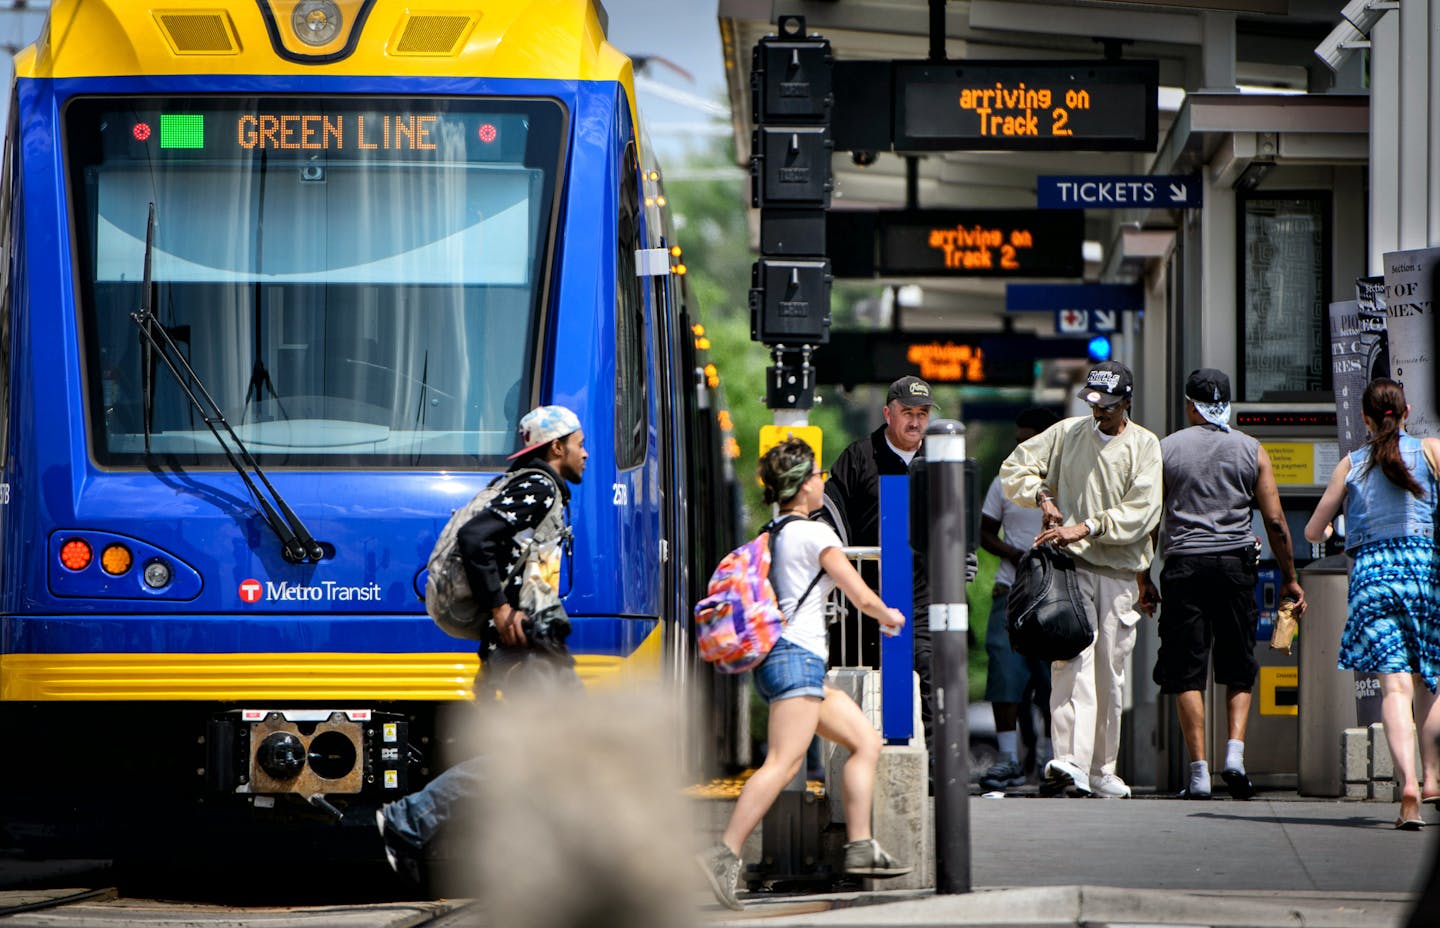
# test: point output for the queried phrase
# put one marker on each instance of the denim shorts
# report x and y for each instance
(790, 670)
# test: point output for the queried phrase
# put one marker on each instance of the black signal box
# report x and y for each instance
(790, 301)
(790, 167)
(790, 76)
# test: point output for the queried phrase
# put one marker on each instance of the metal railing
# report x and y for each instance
(838, 610)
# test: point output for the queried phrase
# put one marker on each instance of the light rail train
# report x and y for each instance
(279, 280)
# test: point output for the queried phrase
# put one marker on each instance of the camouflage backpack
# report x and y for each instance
(448, 598)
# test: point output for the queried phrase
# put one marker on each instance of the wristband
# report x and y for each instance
(1043, 496)
(1093, 526)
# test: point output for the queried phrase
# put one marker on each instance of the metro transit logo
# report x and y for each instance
(252, 591)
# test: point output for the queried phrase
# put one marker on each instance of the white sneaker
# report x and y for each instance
(1063, 775)
(1110, 786)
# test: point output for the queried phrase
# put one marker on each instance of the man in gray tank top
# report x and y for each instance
(1214, 477)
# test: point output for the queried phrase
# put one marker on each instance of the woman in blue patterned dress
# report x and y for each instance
(1388, 488)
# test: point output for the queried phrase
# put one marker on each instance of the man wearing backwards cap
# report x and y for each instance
(1096, 480)
(1214, 477)
(553, 443)
(552, 447)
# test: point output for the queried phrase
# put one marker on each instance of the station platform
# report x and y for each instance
(1277, 860)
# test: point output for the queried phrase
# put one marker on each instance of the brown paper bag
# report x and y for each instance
(1285, 627)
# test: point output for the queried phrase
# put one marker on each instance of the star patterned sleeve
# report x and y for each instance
(523, 505)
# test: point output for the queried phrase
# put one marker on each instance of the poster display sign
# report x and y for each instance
(1358, 354)
(1408, 284)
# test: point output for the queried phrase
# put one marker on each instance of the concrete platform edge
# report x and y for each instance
(1084, 905)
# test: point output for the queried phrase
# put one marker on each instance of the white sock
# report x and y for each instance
(1007, 741)
(1234, 755)
(1200, 777)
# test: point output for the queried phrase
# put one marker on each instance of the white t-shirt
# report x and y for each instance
(906, 456)
(1018, 525)
(794, 561)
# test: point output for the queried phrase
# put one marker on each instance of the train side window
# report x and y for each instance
(1283, 284)
(631, 399)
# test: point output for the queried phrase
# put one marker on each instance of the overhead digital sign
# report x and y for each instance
(956, 243)
(957, 358)
(1027, 106)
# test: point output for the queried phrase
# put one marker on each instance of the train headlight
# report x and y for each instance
(76, 554)
(157, 575)
(116, 559)
(316, 22)
(282, 755)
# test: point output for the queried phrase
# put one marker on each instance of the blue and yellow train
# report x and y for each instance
(279, 279)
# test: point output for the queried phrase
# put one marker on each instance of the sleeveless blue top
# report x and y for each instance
(1377, 510)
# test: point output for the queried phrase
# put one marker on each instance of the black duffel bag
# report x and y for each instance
(1045, 616)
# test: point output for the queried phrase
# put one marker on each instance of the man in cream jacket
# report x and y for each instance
(1098, 481)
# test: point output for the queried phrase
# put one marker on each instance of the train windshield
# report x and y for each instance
(358, 281)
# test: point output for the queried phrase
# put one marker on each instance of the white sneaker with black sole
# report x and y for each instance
(1062, 775)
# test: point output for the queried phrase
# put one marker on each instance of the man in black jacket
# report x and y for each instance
(853, 502)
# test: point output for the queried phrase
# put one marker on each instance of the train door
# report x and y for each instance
(635, 493)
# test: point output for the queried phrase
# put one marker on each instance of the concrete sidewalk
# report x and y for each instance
(1278, 860)
(1067, 906)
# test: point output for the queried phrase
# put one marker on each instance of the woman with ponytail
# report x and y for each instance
(808, 557)
(1389, 489)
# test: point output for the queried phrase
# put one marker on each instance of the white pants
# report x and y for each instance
(1087, 693)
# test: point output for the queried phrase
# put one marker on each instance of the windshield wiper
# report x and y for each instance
(297, 544)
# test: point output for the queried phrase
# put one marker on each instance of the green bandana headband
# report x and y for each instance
(789, 483)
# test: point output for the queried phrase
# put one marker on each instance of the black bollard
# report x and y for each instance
(949, 623)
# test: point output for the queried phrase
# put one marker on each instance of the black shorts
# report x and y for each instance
(1208, 599)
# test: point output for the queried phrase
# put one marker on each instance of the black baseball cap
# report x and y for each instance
(1207, 385)
(1108, 383)
(910, 391)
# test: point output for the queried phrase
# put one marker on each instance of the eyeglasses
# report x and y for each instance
(822, 474)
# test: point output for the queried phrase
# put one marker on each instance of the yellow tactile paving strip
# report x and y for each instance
(729, 787)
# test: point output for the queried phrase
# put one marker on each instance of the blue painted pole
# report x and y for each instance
(897, 587)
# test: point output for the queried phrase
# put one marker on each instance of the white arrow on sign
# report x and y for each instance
(1104, 320)
(1177, 193)
(1073, 321)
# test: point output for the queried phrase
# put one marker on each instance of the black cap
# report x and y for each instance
(1207, 385)
(1108, 383)
(911, 391)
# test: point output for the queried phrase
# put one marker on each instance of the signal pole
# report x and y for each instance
(790, 183)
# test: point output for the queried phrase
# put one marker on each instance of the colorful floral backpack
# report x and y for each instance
(739, 620)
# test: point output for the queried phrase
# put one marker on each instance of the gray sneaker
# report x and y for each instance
(1003, 774)
(868, 858)
(722, 870)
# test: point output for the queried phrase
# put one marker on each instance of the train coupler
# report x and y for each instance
(312, 754)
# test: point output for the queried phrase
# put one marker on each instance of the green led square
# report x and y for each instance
(182, 131)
